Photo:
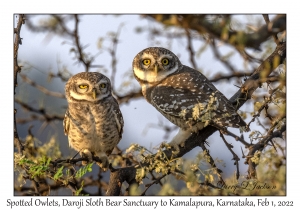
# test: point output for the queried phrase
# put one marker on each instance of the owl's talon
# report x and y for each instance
(175, 152)
(86, 154)
(176, 148)
(111, 168)
(102, 162)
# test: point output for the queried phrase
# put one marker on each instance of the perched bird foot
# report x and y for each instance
(102, 161)
(86, 154)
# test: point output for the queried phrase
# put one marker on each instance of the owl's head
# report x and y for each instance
(88, 86)
(153, 64)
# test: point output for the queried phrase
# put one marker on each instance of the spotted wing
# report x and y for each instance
(189, 95)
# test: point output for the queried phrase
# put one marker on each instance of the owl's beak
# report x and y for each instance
(155, 69)
(94, 92)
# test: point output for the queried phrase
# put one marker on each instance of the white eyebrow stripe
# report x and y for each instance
(153, 77)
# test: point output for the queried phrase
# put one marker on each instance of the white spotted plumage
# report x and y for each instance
(183, 95)
(93, 120)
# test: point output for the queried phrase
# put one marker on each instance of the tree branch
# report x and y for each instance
(41, 88)
(17, 69)
(254, 81)
(236, 74)
(129, 96)
(259, 147)
(117, 177)
(202, 25)
(269, 24)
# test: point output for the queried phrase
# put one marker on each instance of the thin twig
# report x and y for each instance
(235, 157)
(190, 48)
(237, 74)
(219, 57)
(211, 161)
(154, 178)
(40, 111)
(261, 108)
(155, 182)
(112, 52)
(237, 138)
(259, 146)
(267, 20)
(81, 56)
(41, 88)
(248, 57)
(129, 96)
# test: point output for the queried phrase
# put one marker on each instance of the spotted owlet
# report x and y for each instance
(182, 94)
(93, 120)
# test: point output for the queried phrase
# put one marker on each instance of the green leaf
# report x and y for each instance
(80, 189)
(82, 171)
(77, 192)
(59, 173)
(25, 161)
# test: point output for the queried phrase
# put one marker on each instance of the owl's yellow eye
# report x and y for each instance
(102, 85)
(83, 86)
(165, 61)
(146, 62)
